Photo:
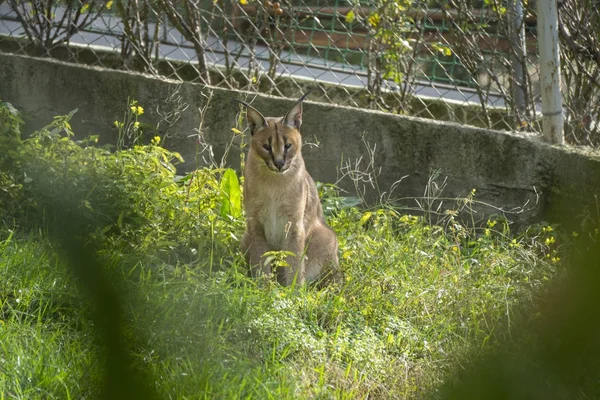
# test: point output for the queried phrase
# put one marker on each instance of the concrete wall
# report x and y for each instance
(508, 170)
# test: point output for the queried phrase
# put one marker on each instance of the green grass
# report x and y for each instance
(414, 303)
(46, 350)
(419, 300)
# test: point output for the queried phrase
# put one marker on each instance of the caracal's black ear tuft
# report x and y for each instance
(254, 117)
(294, 117)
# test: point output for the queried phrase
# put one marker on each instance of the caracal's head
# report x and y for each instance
(276, 141)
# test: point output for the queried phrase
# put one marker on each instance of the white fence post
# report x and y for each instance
(547, 26)
(518, 54)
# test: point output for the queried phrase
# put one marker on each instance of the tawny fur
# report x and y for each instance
(283, 209)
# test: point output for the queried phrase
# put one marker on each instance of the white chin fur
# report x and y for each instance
(275, 170)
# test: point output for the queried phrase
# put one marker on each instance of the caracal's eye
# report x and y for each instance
(267, 147)
(287, 146)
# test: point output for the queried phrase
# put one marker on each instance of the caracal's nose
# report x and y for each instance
(279, 164)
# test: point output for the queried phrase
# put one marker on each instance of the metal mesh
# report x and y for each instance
(579, 32)
(473, 63)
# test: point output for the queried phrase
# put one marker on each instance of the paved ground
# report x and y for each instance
(175, 47)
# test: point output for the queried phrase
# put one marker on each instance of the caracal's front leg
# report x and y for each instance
(254, 246)
(294, 242)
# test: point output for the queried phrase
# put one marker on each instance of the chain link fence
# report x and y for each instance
(467, 61)
(579, 32)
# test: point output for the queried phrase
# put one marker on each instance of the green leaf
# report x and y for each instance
(10, 108)
(231, 195)
(182, 179)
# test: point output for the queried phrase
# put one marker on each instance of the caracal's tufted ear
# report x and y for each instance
(254, 117)
(294, 117)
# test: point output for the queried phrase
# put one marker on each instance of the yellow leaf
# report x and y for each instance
(236, 131)
(109, 4)
(374, 20)
(447, 51)
(137, 110)
(243, 2)
(350, 17)
(390, 338)
(365, 218)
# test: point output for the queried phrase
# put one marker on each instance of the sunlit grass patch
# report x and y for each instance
(46, 344)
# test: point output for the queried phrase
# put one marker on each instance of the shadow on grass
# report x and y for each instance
(554, 352)
(122, 379)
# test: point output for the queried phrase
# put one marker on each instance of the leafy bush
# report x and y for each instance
(130, 199)
(10, 146)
